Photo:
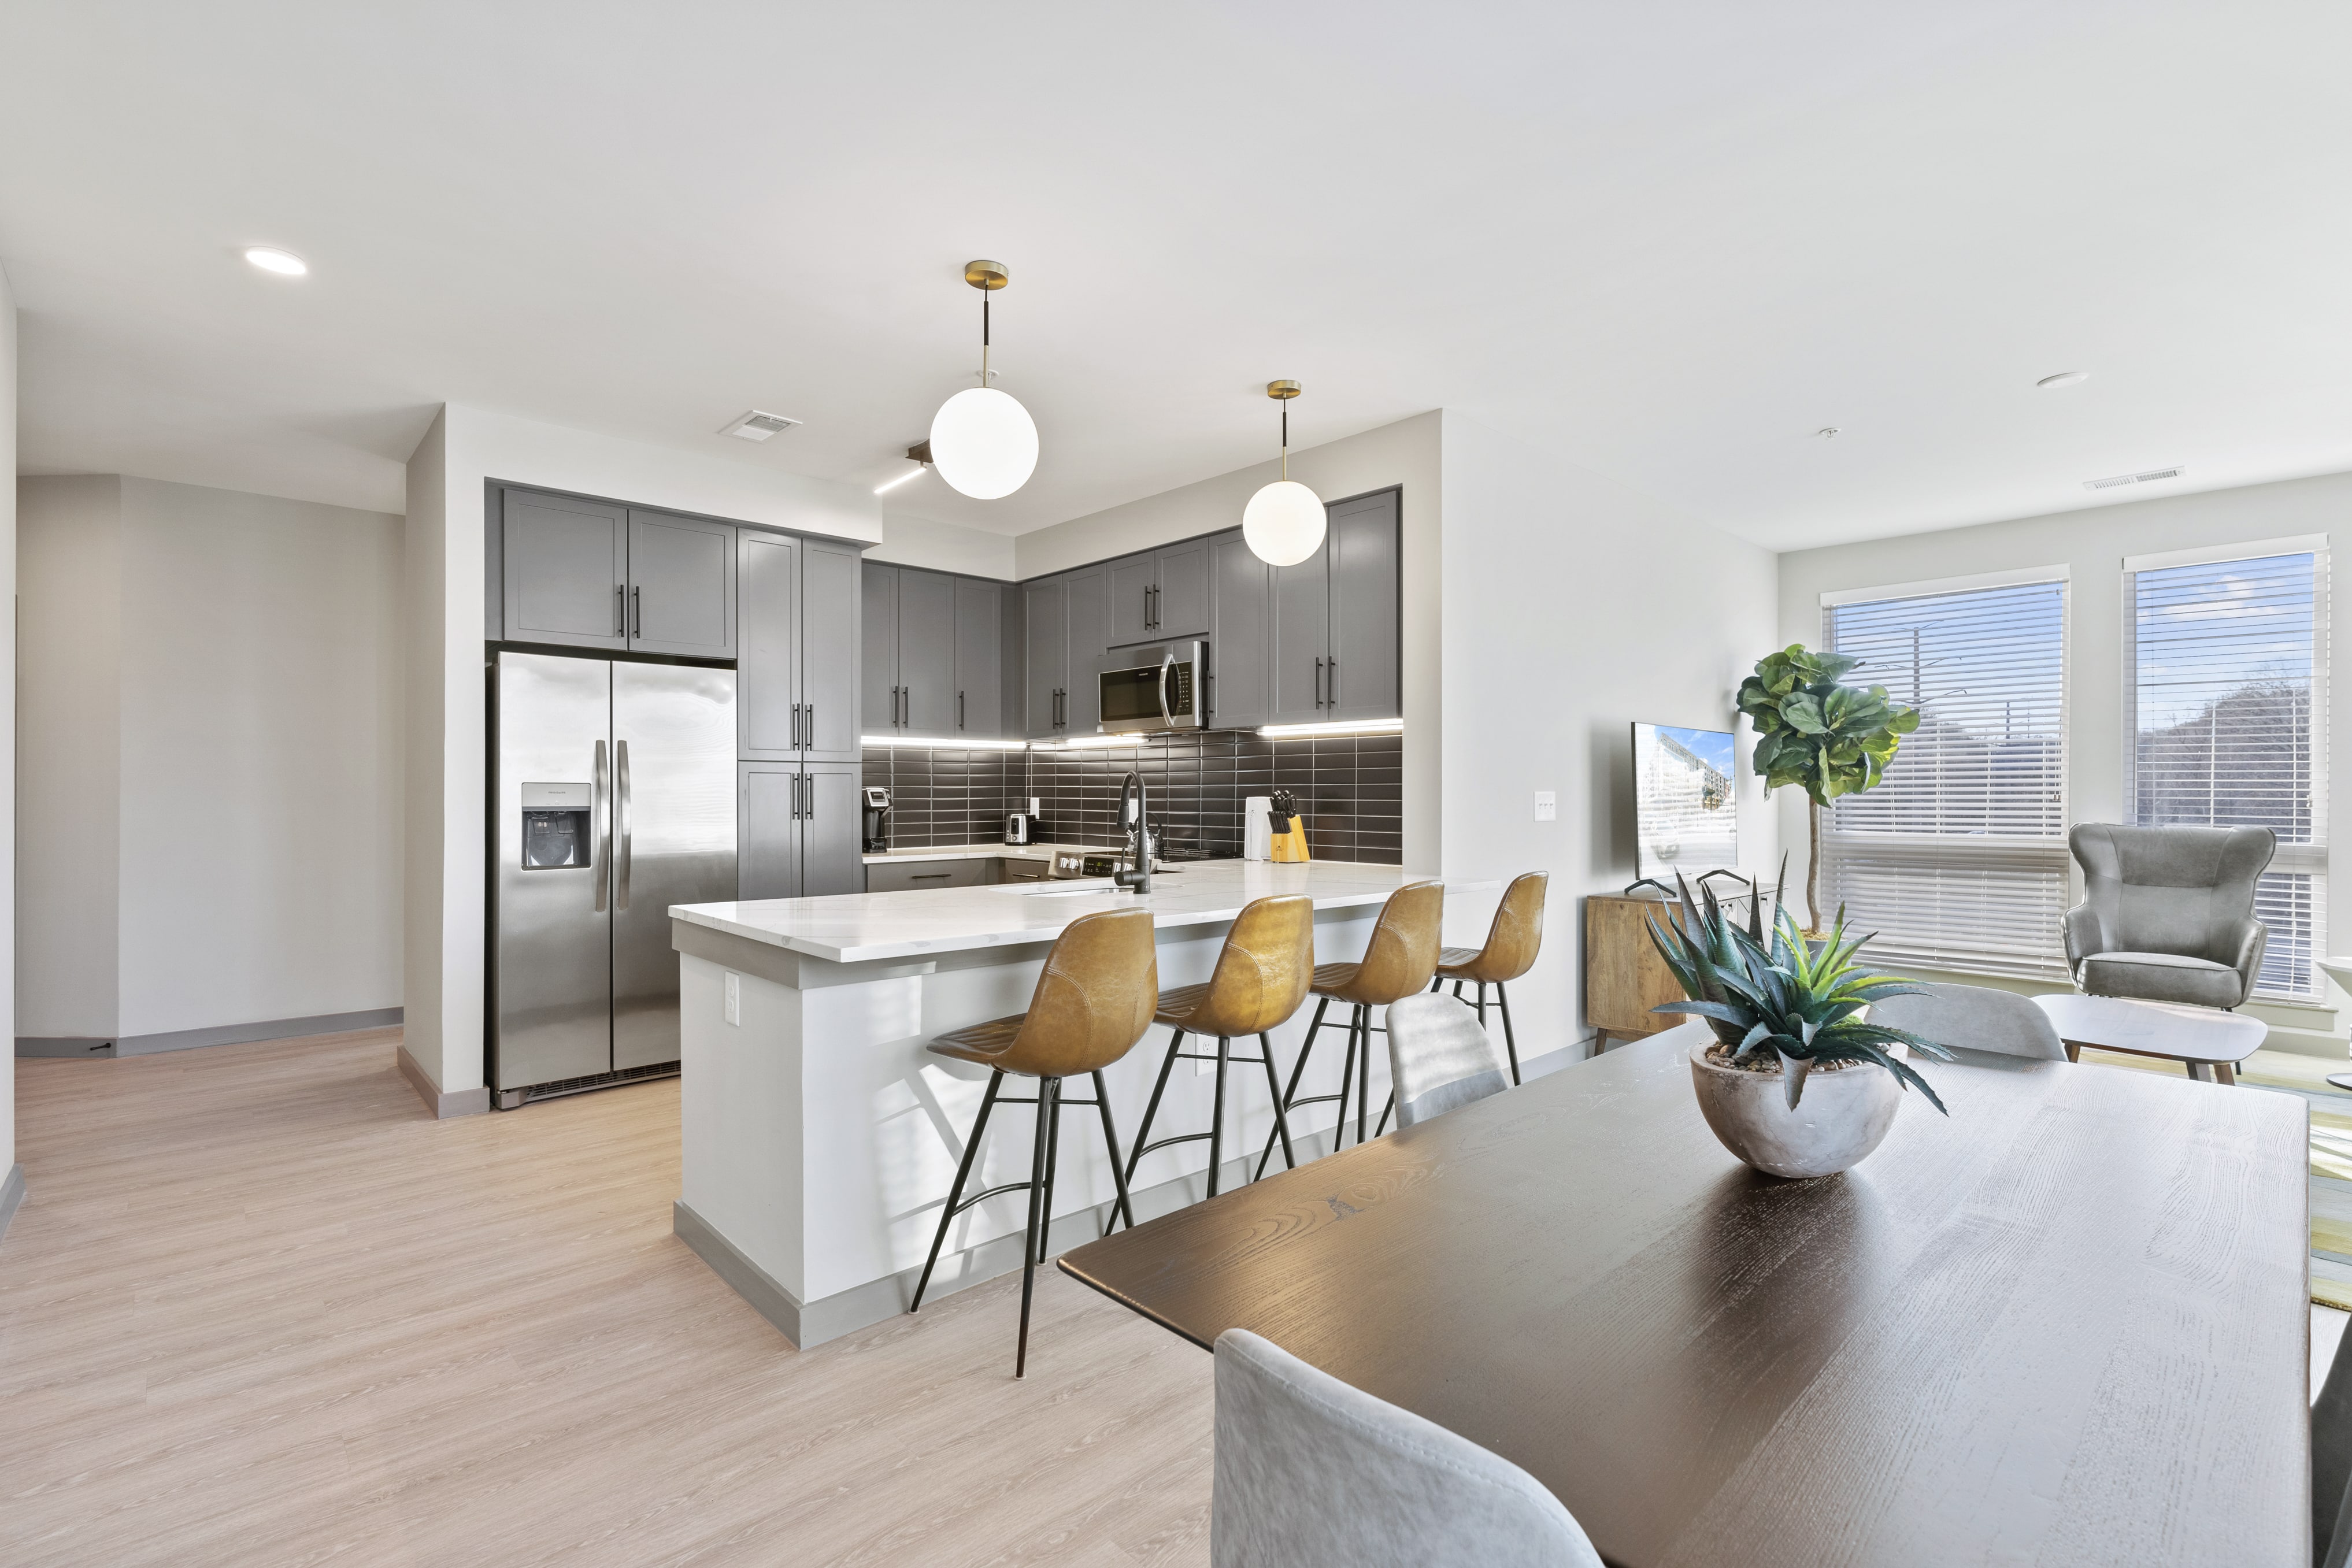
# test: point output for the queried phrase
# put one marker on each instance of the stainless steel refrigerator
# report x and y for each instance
(614, 791)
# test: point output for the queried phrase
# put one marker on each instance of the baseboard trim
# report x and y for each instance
(443, 1103)
(745, 1278)
(69, 1046)
(12, 1196)
(247, 1033)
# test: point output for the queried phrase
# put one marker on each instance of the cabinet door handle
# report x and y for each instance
(636, 612)
(1147, 607)
(620, 611)
(798, 709)
(808, 797)
(959, 710)
(930, 876)
(1319, 683)
(1335, 682)
(808, 725)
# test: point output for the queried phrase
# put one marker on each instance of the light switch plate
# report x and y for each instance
(734, 1003)
(1547, 806)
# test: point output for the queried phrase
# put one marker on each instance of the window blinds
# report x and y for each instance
(1958, 860)
(2227, 677)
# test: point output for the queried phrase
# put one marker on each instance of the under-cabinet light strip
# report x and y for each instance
(943, 742)
(1336, 726)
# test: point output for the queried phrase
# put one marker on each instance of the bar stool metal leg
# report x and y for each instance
(1510, 1042)
(1046, 1087)
(1281, 1119)
(1152, 1108)
(1364, 1074)
(1217, 1118)
(1290, 1101)
(964, 1173)
(1347, 1086)
(1110, 1142)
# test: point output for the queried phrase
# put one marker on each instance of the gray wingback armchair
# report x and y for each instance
(2168, 914)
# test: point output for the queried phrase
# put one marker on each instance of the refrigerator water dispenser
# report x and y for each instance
(556, 834)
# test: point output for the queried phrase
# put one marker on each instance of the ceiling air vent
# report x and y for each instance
(2145, 476)
(758, 425)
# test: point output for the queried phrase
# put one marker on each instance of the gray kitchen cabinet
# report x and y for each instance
(681, 586)
(1086, 611)
(797, 649)
(797, 830)
(1181, 606)
(927, 653)
(831, 643)
(1045, 611)
(832, 825)
(768, 830)
(768, 633)
(914, 877)
(1133, 584)
(1302, 636)
(910, 646)
(1361, 677)
(878, 642)
(566, 567)
(978, 659)
(1241, 653)
(1158, 596)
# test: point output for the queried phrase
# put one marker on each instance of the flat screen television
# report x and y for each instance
(1685, 814)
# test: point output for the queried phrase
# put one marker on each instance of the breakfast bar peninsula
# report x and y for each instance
(820, 1139)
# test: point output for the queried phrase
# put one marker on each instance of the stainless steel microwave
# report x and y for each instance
(1150, 689)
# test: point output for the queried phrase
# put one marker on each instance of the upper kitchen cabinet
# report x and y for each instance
(1164, 594)
(1045, 630)
(1336, 638)
(594, 574)
(1241, 631)
(681, 586)
(1086, 611)
(933, 653)
(1364, 678)
(797, 631)
(566, 567)
(978, 658)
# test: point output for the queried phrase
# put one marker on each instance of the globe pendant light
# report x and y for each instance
(984, 442)
(1283, 523)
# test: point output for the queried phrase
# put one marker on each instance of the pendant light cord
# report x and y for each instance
(1286, 439)
(983, 337)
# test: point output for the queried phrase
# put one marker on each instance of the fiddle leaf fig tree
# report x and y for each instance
(1825, 737)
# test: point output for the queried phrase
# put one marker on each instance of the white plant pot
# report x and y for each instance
(1843, 1116)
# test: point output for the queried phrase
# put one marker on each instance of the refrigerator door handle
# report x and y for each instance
(602, 849)
(621, 803)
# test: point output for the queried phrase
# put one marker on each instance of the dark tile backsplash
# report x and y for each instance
(1350, 788)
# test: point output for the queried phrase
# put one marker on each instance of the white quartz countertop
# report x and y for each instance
(858, 927)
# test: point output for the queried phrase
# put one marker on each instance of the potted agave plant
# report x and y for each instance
(1797, 1080)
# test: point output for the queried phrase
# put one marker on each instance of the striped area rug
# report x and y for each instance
(2331, 1154)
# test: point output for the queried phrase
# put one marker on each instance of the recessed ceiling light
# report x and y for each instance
(2064, 379)
(269, 258)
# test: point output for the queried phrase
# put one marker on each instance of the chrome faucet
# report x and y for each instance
(1132, 816)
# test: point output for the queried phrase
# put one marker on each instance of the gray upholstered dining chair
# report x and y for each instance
(1311, 1473)
(2168, 914)
(2331, 1462)
(1974, 1018)
(1440, 1056)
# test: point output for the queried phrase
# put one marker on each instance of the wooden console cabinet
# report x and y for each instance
(1623, 976)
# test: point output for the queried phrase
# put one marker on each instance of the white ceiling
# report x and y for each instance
(1666, 241)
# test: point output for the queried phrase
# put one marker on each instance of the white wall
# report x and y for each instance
(1572, 608)
(1405, 454)
(441, 597)
(68, 561)
(2091, 545)
(211, 716)
(260, 828)
(943, 547)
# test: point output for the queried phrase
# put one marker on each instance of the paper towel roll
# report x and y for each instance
(1258, 832)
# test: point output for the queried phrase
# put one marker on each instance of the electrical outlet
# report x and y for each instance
(734, 999)
(1547, 806)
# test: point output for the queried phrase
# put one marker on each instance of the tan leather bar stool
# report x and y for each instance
(1260, 981)
(1513, 942)
(1094, 1001)
(1400, 959)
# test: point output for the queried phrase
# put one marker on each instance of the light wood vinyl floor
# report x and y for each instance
(258, 1310)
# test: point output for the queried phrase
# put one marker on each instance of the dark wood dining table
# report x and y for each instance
(2068, 1324)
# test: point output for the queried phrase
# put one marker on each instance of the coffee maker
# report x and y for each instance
(877, 830)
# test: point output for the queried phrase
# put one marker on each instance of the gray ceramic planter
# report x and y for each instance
(1843, 1116)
